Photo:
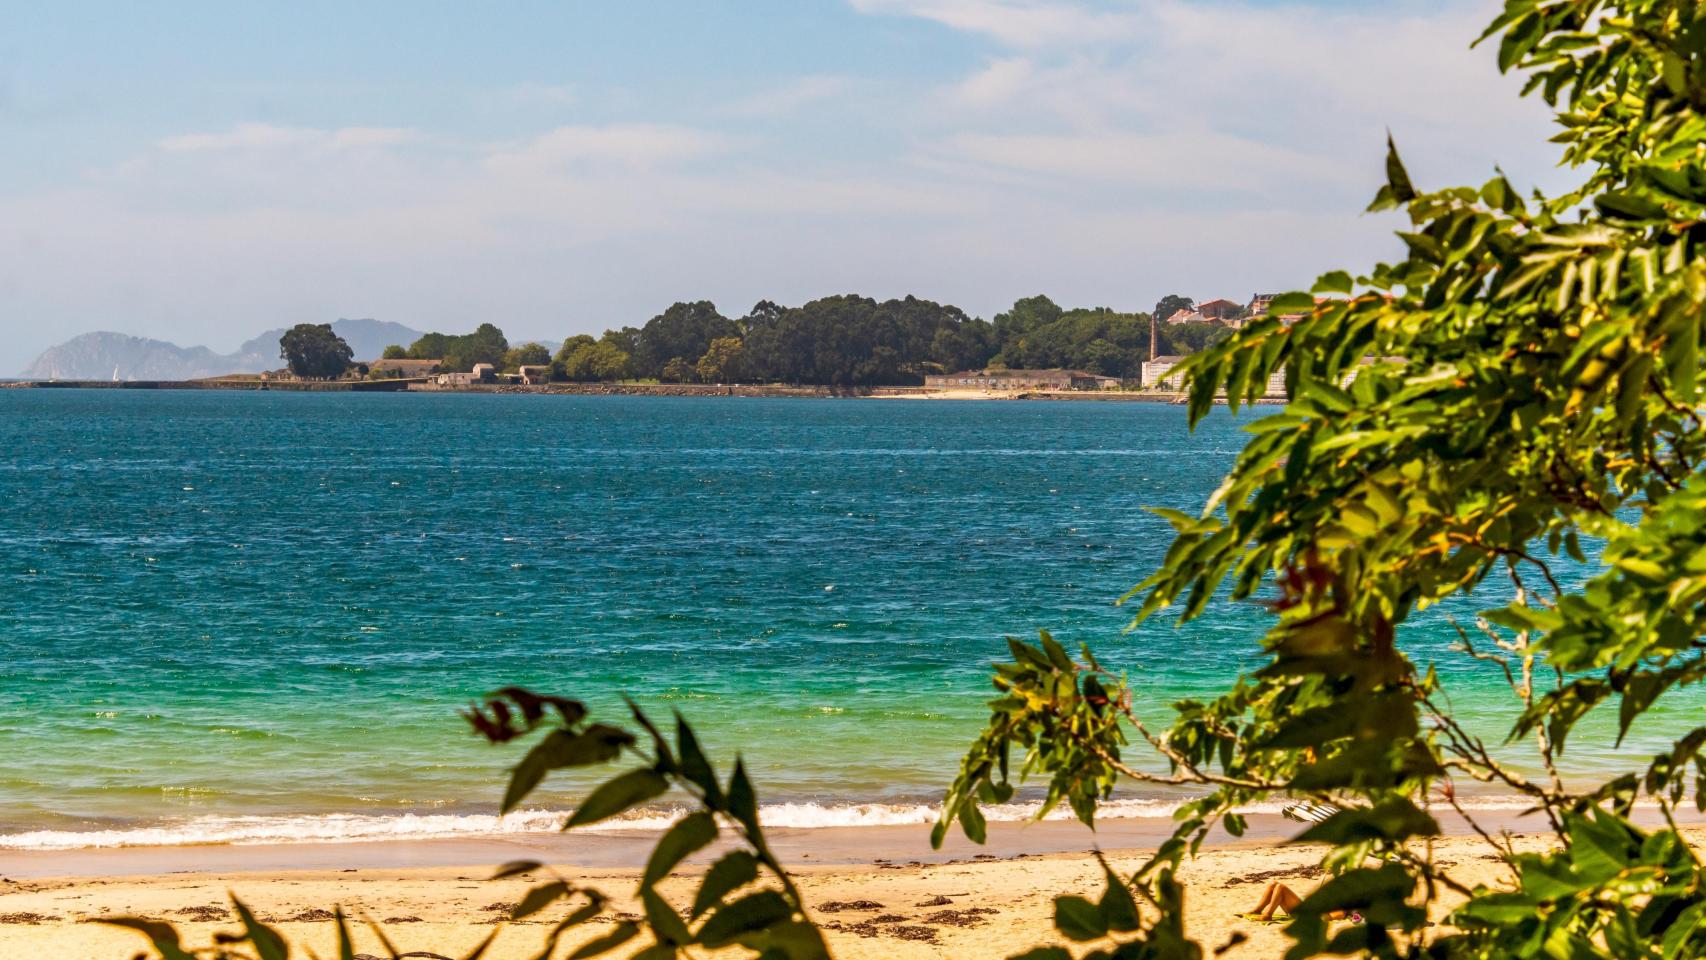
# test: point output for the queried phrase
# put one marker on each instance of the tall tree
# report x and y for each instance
(1172, 303)
(723, 362)
(430, 346)
(683, 332)
(313, 351)
(584, 359)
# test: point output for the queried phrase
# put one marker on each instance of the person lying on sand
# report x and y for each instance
(1282, 899)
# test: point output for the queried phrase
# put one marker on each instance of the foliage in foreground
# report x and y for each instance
(1522, 386)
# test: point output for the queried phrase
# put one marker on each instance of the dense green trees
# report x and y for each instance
(313, 351)
(525, 355)
(724, 361)
(857, 341)
(583, 359)
(683, 332)
(395, 352)
(844, 340)
(1038, 334)
(458, 354)
(1186, 338)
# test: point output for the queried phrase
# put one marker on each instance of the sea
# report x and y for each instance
(244, 617)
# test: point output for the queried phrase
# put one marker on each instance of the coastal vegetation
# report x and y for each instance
(313, 351)
(836, 341)
(458, 353)
(1521, 391)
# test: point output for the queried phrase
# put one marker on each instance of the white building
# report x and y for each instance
(1157, 373)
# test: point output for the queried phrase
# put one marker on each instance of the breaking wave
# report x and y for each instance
(348, 828)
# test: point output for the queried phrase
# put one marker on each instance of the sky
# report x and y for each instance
(202, 171)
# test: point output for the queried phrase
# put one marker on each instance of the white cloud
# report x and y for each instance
(1017, 23)
(790, 97)
(997, 82)
(1174, 93)
(266, 136)
(625, 145)
(1163, 163)
(1103, 155)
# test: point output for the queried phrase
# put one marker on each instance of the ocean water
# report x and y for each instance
(253, 616)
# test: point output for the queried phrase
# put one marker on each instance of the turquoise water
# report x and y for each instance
(248, 615)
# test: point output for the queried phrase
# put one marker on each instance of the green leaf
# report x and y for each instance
(1599, 846)
(346, 943)
(1118, 909)
(1391, 820)
(972, 822)
(1519, 38)
(617, 796)
(1057, 655)
(1078, 919)
(515, 868)
(694, 766)
(1043, 953)
(538, 898)
(753, 912)
(561, 749)
(1676, 938)
(1296, 302)
(162, 935)
(1629, 206)
(623, 932)
(666, 924)
(733, 871)
(1338, 281)
(743, 800)
(1500, 908)
(787, 940)
(268, 944)
(688, 835)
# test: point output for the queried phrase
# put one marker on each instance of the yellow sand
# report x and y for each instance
(448, 911)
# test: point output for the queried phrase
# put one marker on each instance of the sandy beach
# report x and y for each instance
(968, 904)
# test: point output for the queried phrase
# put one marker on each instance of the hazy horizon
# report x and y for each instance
(199, 174)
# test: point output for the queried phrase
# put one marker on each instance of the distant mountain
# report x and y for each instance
(103, 356)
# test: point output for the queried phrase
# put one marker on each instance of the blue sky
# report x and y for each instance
(202, 171)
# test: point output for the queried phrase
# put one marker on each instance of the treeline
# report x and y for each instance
(841, 341)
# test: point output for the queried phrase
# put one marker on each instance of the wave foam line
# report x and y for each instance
(349, 828)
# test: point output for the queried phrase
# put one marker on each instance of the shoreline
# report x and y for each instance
(966, 901)
(628, 849)
(421, 386)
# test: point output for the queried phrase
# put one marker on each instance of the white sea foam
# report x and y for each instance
(347, 828)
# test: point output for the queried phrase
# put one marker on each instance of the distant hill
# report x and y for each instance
(103, 356)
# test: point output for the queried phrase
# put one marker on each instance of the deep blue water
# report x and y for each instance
(224, 605)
